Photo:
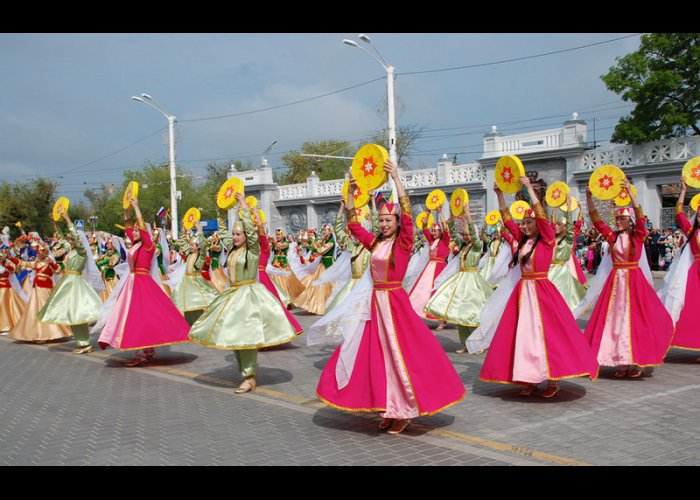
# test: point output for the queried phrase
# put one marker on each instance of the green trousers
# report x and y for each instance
(192, 316)
(247, 362)
(465, 332)
(81, 334)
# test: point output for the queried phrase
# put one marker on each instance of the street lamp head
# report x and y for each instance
(349, 42)
(137, 98)
(364, 38)
(146, 96)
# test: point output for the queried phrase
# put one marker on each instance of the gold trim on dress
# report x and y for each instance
(638, 212)
(505, 216)
(69, 271)
(679, 208)
(242, 348)
(405, 206)
(352, 216)
(595, 216)
(539, 211)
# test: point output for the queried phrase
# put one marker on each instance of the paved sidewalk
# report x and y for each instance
(63, 409)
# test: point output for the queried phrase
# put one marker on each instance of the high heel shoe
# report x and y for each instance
(529, 390)
(552, 390)
(385, 424)
(399, 426)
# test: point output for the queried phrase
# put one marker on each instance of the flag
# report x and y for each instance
(162, 213)
(379, 198)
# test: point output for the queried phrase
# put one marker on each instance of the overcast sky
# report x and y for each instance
(66, 99)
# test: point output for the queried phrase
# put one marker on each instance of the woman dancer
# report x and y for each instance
(289, 284)
(246, 316)
(560, 272)
(144, 316)
(388, 361)
(314, 298)
(11, 304)
(537, 338)
(28, 328)
(73, 302)
(461, 297)
(629, 327)
(106, 264)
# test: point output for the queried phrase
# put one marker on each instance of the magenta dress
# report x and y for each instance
(265, 280)
(629, 324)
(423, 288)
(687, 334)
(400, 368)
(143, 316)
(538, 338)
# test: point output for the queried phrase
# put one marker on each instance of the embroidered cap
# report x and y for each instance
(623, 212)
(389, 209)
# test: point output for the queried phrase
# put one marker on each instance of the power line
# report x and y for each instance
(283, 105)
(503, 61)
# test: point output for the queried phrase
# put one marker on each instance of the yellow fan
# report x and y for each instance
(252, 202)
(606, 182)
(360, 196)
(191, 218)
(623, 199)
(518, 209)
(226, 198)
(459, 198)
(493, 217)
(368, 167)
(62, 203)
(435, 199)
(509, 169)
(556, 194)
(131, 193)
(574, 205)
(695, 202)
(261, 214)
(691, 171)
(363, 213)
(421, 220)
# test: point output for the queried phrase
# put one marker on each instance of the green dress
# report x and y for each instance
(246, 315)
(461, 297)
(194, 293)
(73, 301)
(359, 261)
(559, 273)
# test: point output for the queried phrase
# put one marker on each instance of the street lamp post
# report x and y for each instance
(147, 99)
(389, 89)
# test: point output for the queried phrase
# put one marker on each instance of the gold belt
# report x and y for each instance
(68, 271)
(469, 269)
(387, 285)
(535, 276)
(193, 274)
(140, 271)
(237, 284)
(356, 276)
(625, 265)
(559, 262)
(437, 260)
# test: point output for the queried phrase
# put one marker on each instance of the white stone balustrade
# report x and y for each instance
(292, 191)
(628, 155)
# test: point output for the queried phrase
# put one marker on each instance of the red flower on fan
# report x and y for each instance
(606, 182)
(368, 166)
(229, 193)
(695, 173)
(556, 194)
(507, 174)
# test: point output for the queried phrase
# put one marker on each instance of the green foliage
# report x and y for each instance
(663, 79)
(28, 202)
(300, 167)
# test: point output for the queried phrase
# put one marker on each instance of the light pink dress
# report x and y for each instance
(423, 288)
(687, 334)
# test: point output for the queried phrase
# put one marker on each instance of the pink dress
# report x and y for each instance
(629, 324)
(144, 316)
(687, 334)
(573, 259)
(401, 369)
(423, 288)
(265, 280)
(538, 338)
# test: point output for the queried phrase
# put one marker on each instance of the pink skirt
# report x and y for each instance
(687, 334)
(143, 317)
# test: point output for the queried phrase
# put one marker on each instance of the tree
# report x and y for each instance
(30, 203)
(300, 167)
(663, 79)
(405, 141)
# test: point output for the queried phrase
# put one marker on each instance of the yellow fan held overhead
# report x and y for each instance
(424, 218)
(191, 217)
(691, 171)
(493, 217)
(518, 209)
(130, 193)
(59, 207)
(623, 199)
(556, 194)
(509, 169)
(574, 205)
(359, 195)
(458, 200)
(435, 199)
(368, 167)
(695, 202)
(226, 197)
(606, 182)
